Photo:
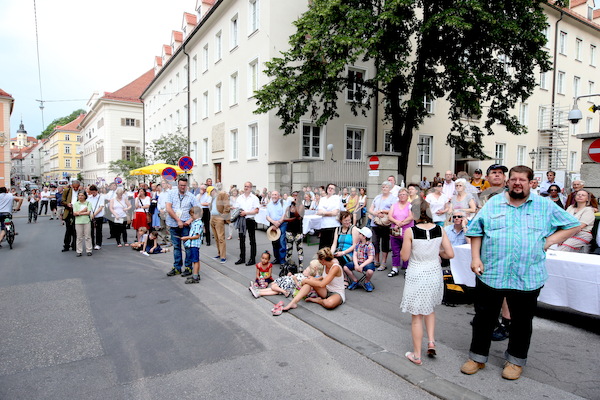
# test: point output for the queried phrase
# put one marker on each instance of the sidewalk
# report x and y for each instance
(562, 361)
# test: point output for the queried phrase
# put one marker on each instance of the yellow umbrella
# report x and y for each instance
(155, 169)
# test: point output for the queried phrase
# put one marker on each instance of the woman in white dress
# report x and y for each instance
(424, 284)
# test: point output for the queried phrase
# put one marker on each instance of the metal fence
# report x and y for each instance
(342, 173)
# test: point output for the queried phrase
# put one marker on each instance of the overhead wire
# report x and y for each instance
(37, 45)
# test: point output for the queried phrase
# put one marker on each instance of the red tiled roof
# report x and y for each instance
(132, 91)
(167, 49)
(575, 3)
(4, 94)
(158, 60)
(178, 36)
(190, 19)
(596, 14)
(71, 126)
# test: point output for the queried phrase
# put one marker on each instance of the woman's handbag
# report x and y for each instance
(396, 231)
(382, 221)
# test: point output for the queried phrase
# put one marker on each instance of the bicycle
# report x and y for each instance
(10, 230)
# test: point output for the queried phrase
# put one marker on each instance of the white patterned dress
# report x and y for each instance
(424, 283)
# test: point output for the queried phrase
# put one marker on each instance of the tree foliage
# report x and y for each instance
(168, 148)
(60, 122)
(122, 167)
(476, 54)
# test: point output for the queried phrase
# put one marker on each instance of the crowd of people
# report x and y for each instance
(419, 224)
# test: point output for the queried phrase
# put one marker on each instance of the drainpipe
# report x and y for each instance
(555, 54)
(189, 93)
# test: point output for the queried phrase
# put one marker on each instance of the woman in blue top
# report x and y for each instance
(344, 239)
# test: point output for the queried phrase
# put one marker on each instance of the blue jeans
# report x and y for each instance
(176, 234)
(282, 243)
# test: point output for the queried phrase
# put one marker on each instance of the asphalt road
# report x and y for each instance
(114, 326)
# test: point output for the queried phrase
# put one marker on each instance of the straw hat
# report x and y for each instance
(273, 233)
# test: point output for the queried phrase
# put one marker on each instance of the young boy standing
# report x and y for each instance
(192, 241)
(362, 260)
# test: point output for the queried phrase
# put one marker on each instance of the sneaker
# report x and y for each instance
(146, 254)
(500, 333)
(89, 254)
(217, 257)
(187, 272)
(353, 286)
(369, 286)
(96, 247)
(192, 280)
(223, 260)
(254, 291)
(511, 371)
(174, 272)
(471, 367)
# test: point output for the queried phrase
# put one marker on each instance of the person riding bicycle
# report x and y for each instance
(6, 208)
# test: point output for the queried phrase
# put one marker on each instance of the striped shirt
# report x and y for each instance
(513, 238)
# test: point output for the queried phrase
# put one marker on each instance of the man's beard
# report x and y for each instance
(515, 195)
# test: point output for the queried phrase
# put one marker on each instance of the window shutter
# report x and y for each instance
(137, 123)
(123, 153)
(122, 121)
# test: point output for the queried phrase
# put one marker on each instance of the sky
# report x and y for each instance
(85, 47)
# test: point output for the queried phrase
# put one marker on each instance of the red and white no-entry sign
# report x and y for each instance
(374, 162)
(594, 150)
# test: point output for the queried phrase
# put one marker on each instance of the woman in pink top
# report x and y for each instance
(329, 287)
(402, 219)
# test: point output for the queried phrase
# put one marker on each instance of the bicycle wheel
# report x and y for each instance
(10, 235)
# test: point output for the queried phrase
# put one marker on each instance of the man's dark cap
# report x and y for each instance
(478, 171)
(496, 166)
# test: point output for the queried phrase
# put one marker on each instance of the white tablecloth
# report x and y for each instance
(573, 279)
(311, 222)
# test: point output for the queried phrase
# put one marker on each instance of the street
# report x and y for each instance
(114, 326)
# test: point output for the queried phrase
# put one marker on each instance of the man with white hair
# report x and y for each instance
(448, 188)
(578, 185)
(395, 188)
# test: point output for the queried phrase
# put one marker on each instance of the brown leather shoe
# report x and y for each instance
(471, 367)
(511, 371)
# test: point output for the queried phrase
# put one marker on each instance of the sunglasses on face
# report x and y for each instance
(456, 216)
(553, 190)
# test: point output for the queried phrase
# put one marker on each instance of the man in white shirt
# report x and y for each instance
(424, 184)
(395, 188)
(275, 214)
(545, 185)
(6, 208)
(96, 201)
(448, 188)
(249, 204)
(203, 198)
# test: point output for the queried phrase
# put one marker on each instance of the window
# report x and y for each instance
(67, 149)
(194, 111)
(253, 140)
(573, 161)
(428, 103)
(67, 163)
(185, 80)
(170, 89)
(311, 141)
(205, 58)
(354, 140)
(177, 83)
(387, 141)
(130, 122)
(127, 152)
(560, 84)
(591, 87)
(195, 150)
(592, 55)
(218, 98)
(233, 89)
(576, 84)
(100, 154)
(500, 153)
(589, 124)
(67, 137)
(164, 95)
(253, 16)
(233, 134)
(177, 119)
(521, 154)
(204, 105)
(205, 151)
(185, 116)
(233, 32)
(252, 77)
(590, 13)
(562, 43)
(505, 61)
(425, 151)
(79, 163)
(578, 45)
(355, 91)
(546, 32)
(543, 80)
(194, 68)
(524, 114)
(218, 47)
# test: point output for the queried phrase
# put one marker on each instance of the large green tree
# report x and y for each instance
(168, 148)
(60, 122)
(476, 54)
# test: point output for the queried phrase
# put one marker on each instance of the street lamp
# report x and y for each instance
(533, 154)
(421, 145)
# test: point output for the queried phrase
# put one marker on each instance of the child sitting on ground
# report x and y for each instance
(287, 284)
(192, 242)
(264, 270)
(142, 235)
(151, 245)
(362, 260)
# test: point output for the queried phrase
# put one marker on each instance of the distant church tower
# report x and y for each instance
(21, 140)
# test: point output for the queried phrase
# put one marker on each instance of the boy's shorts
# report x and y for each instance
(194, 254)
(370, 266)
